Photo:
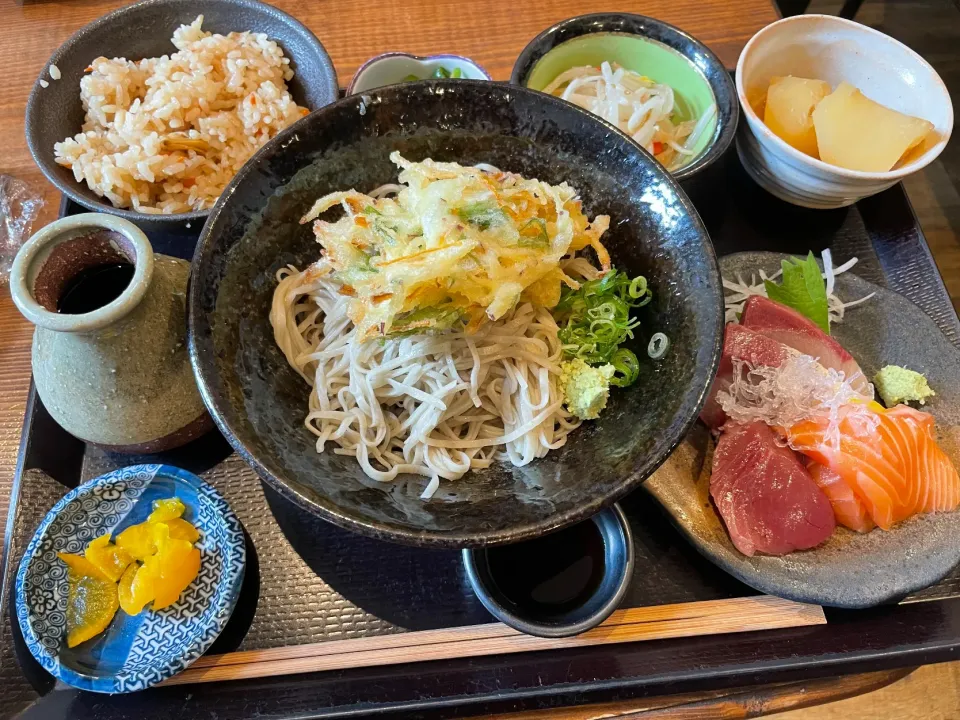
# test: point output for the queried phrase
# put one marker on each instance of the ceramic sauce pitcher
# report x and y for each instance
(110, 359)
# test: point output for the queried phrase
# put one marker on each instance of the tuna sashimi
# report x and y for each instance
(739, 343)
(889, 458)
(794, 330)
(766, 497)
(847, 507)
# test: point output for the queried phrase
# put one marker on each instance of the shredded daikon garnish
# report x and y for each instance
(800, 389)
(640, 107)
(742, 290)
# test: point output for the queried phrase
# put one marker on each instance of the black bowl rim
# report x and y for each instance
(44, 158)
(488, 596)
(202, 353)
(728, 105)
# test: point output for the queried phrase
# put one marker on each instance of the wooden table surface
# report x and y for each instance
(493, 33)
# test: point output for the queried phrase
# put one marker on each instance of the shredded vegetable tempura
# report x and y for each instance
(640, 107)
(455, 247)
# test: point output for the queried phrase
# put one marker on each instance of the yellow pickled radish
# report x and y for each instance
(91, 599)
(144, 539)
(138, 540)
(177, 564)
(180, 529)
(166, 509)
(136, 588)
(107, 576)
(128, 603)
(80, 566)
(109, 559)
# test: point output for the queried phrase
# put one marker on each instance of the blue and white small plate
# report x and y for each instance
(134, 652)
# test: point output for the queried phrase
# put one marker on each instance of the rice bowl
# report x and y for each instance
(165, 135)
(144, 29)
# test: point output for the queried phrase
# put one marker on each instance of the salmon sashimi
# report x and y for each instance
(889, 458)
(847, 507)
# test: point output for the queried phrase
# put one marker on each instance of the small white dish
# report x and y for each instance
(833, 49)
(395, 67)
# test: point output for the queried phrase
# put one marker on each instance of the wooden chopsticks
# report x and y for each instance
(710, 617)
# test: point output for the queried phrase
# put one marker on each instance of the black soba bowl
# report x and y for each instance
(259, 402)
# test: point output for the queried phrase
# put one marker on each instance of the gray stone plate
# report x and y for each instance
(850, 570)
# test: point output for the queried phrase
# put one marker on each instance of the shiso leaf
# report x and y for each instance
(803, 289)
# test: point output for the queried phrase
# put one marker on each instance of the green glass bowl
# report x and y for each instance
(649, 47)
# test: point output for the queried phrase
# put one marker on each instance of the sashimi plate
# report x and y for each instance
(850, 570)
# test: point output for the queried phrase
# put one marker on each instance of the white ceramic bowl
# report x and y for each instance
(395, 67)
(833, 49)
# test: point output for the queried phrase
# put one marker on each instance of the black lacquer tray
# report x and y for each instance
(308, 581)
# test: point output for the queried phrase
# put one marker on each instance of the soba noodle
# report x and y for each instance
(438, 406)
(426, 329)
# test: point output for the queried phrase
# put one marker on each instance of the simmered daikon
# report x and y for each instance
(789, 110)
(856, 133)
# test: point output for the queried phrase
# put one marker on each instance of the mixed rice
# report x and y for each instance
(165, 135)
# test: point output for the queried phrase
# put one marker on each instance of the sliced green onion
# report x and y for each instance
(595, 321)
(456, 73)
(604, 330)
(441, 72)
(385, 231)
(658, 346)
(638, 287)
(410, 77)
(627, 368)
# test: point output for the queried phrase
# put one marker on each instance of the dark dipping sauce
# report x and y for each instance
(94, 287)
(553, 574)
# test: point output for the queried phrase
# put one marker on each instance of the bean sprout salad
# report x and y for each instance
(643, 109)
